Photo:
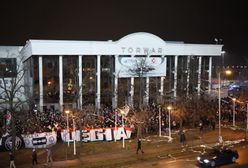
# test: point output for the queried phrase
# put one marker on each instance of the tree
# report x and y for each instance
(140, 69)
(195, 108)
(139, 118)
(12, 89)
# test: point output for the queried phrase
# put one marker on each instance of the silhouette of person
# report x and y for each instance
(12, 160)
(139, 147)
(34, 157)
(49, 156)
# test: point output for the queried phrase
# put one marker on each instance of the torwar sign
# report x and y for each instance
(145, 44)
(141, 50)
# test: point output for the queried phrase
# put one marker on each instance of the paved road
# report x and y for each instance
(189, 161)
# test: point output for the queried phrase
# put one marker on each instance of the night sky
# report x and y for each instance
(191, 21)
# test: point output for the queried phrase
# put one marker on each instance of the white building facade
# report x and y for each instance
(61, 72)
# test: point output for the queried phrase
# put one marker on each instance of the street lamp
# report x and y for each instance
(159, 120)
(49, 83)
(223, 58)
(67, 119)
(169, 109)
(122, 121)
(234, 100)
(227, 72)
(74, 139)
(115, 131)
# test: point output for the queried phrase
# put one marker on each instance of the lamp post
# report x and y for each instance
(223, 58)
(169, 109)
(74, 139)
(234, 100)
(67, 119)
(219, 105)
(159, 120)
(227, 72)
(122, 121)
(115, 131)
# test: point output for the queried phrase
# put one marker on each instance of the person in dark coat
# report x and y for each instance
(182, 138)
(34, 157)
(12, 160)
(213, 124)
(139, 147)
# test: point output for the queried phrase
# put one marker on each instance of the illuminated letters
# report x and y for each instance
(138, 50)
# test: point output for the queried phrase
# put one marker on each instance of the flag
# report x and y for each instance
(8, 118)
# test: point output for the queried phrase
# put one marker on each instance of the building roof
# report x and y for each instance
(140, 43)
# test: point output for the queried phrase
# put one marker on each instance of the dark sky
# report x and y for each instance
(191, 21)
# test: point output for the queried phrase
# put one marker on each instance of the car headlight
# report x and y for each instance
(198, 158)
(206, 161)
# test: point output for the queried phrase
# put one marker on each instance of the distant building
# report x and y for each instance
(9, 63)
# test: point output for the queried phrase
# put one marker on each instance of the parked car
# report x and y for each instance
(217, 157)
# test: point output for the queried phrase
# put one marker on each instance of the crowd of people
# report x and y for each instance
(229, 107)
(51, 119)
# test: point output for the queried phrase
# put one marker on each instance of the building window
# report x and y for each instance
(7, 67)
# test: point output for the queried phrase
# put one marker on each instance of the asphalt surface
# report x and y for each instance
(189, 161)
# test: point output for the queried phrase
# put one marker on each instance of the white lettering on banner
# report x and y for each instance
(96, 135)
(40, 140)
(99, 134)
(85, 135)
(108, 134)
(121, 134)
(139, 50)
